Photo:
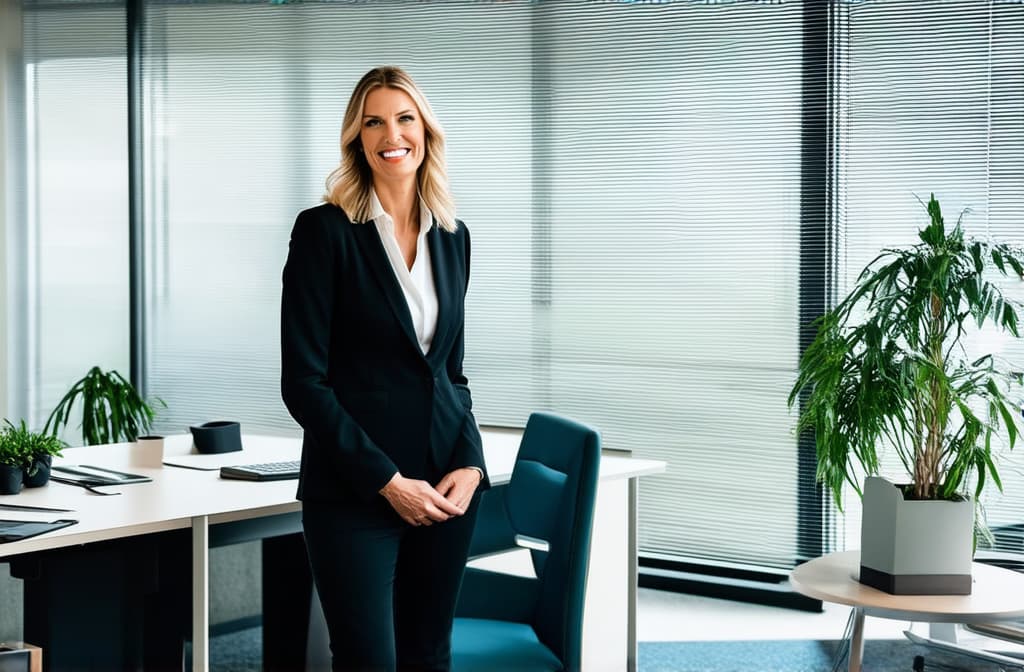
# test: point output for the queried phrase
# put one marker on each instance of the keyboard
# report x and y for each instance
(264, 471)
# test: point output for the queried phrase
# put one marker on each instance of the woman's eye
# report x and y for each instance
(405, 118)
(372, 122)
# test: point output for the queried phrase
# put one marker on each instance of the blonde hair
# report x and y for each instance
(349, 185)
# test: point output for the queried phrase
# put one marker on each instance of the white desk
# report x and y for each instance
(996, 594)
(181, 498)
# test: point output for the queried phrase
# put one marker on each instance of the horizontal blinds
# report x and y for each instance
(630, 174)
(935, 104)
(674, 179)
(246, 104)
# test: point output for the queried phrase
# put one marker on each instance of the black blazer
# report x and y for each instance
(352, 372)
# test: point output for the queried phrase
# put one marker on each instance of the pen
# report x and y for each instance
(25, 507)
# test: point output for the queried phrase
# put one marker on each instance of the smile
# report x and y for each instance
(395, 153)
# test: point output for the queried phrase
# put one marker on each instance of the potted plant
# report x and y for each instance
(37, 450)
(12, 463)
(888, 369)
(112, 410)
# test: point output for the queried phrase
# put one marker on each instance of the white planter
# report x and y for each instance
(915, 547)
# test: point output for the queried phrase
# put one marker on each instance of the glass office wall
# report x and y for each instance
(630, 175)
(934, 103)
(73, 241)
(674, 258)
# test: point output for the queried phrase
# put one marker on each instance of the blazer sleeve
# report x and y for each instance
(307, 310)
(469, 450)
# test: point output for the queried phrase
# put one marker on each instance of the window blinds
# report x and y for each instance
(934, 100)
(630, 175)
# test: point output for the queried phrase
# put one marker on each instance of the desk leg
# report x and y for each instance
(200, 594)
(857, 640)
(632, 578)
(944, 632)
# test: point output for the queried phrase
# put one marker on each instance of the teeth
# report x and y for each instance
(395, 153)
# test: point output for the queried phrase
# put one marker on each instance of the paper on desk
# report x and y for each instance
(27, 516)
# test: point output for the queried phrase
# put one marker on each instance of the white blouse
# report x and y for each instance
(417, 283)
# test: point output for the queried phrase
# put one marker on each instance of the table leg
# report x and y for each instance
(857, 640)
(944, 632)
(200, 594)
(632, 578)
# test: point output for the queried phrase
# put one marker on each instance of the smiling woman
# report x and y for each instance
(392, 461)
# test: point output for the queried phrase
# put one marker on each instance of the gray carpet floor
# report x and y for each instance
(798, 656)
(240, 652)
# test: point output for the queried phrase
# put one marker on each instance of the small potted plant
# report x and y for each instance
(112, 410)
(888, 370)
(13, 458)
(37, 450)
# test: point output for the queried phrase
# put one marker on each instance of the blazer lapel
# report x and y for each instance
(440, 262)
(377, 259)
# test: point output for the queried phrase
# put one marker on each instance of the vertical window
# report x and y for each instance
(673, 149)
(74, 252)
(934, 100)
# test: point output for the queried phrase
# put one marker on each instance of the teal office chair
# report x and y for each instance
(506, 622)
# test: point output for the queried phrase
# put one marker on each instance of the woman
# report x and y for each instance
(371, 354)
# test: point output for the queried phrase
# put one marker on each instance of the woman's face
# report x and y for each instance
(392, 135)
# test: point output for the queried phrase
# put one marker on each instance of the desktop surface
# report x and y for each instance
(194, 488)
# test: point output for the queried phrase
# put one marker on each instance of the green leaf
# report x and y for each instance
(1009, 320)
(1015, 264)
(997, 259)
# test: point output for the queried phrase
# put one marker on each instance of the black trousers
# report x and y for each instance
(388, 590)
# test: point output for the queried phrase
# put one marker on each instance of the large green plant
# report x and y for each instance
(112, 410)
(888, 367)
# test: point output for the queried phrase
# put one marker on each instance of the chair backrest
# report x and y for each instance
(551, 497)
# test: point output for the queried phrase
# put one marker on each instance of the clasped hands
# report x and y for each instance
(419, 503)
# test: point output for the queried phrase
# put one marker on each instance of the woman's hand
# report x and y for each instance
(458, 486)
(417, 502)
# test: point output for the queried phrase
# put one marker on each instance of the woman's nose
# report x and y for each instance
(394, 134)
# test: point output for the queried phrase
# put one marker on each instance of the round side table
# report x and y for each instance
(997, 594)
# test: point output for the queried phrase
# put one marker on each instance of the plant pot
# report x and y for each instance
(11, 478)
(148, 451)
(915, 547)
(41, 476)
